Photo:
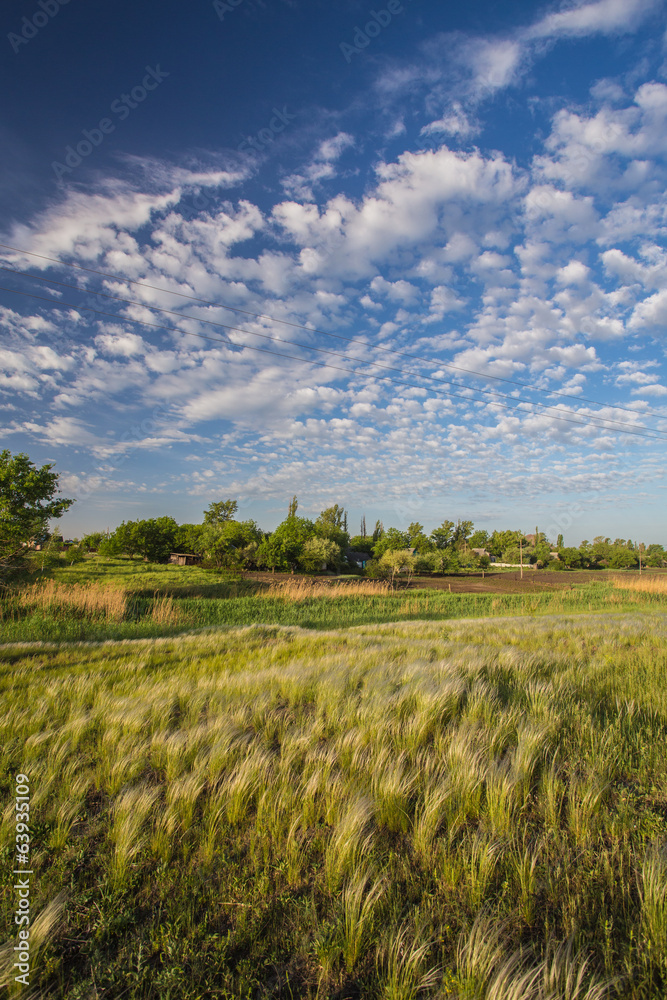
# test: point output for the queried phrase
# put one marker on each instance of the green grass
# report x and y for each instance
(140, 577)
(204, 599)
(469, 809)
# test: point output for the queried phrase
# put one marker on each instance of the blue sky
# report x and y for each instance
(472, 197)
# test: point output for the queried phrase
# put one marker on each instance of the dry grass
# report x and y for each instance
(165, 612)
(93, 599)
(645, 584)
(303, 588)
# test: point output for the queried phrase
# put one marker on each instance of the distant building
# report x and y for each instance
(358, 558)
(184, 559)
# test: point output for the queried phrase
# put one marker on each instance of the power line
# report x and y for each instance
(321, 364)
(324, 333)
(308, 347)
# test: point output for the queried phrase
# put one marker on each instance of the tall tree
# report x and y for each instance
(462, 532)
(293, 507)
(28, 501)
(443, 537)
(332, 524)
(220, 512)
(418, 539)
(335, 516)
(363, 526)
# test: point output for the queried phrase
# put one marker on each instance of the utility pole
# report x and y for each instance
(521, 554)
(639, 550)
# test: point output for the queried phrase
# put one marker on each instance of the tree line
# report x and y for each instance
(29, 500)
(299, 543)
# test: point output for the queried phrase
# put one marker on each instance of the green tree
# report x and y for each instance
(28, 501)
(417, 538)
(378, 531)
(395, 562)
(74, 554)
(287, 541)
(443, 537)
(154, 538)
(392, 539)
(110, 547)
(123, 541)
(189, 537)
(600, 550)
(361, 543)
(570, 557)
(541, 553)
(92, 541)
(462, 533)
(220, 512)
(269, 554)
(622, 558)
(479, 539)
(332, 524)
(230, 544)
(655, 555)
(503, 540)
(319, 553)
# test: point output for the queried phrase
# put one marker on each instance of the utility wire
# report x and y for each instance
(321, 364)
(309, 347)
(310, 329)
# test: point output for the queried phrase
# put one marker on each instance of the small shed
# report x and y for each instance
(184, 559)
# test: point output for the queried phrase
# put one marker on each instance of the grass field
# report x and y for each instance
(125, 599)
(469, 809)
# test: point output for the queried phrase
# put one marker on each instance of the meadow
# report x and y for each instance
(466, 809)
(126, 599)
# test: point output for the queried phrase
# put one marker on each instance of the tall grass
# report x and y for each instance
(644, 584)
(301, 588)
(56, 611)
(93, 599)
(402, 810)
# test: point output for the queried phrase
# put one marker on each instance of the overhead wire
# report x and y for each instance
(308, 347)
(310, 329)
(347, 371)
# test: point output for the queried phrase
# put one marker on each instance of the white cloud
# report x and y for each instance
(321, 168)
(605, 17)
(455, 121)
(418, 198)
(574, 273)
(125, 345)
(651, 312)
